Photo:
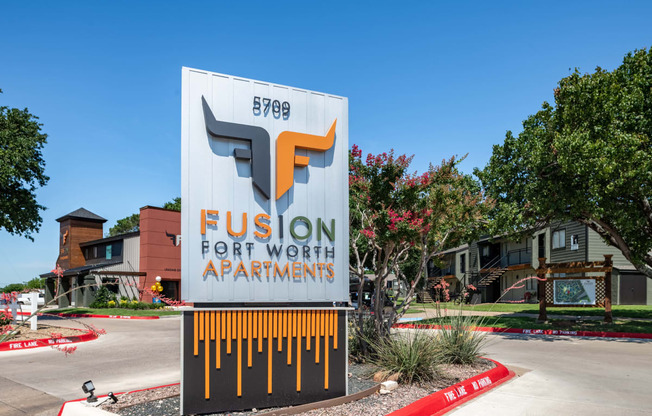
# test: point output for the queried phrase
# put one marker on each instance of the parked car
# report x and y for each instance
(26, 299)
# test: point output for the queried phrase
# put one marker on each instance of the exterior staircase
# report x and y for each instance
(493, 275)
(424, 297)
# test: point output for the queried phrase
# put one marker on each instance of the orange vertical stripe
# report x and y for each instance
(299, 316)
(239, 352)
(313, 316)
(289, 336)
(250, 339)
(228, 332)
(331, 322)
(336, 319)
(274, 322)
(279, 334)
(322, 322)
(295, 315)
(260, 331)
(270, 339)
(265, 324)
(196, 333)
(207, 359)
(317, 336)
(201, 325)
(223, 323)
(218, 342)
(326, 318)
(244, 324)
(254, 316)
(309, 319)
(285, 323)
(234, 323)
(304, 314)
(212, 324)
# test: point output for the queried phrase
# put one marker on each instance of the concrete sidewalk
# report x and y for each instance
(18, 399)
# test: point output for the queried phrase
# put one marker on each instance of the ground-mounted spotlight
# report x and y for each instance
(88, 387)
(112, 397)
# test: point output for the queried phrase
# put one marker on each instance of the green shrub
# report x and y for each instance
(102, 298)
(361, 340)
(123, 303)
(412, 354)
(5, 319)
(110, 304)
(457, 342)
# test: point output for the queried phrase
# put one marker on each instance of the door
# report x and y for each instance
(633, 289)
(542, 245)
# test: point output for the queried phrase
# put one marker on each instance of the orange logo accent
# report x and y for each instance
(287, 159)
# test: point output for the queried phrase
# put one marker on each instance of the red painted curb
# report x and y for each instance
(444, 400)
(47, 342)
(87, 315)
(537, 331)
(117, 394)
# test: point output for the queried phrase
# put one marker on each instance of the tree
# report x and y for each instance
(588, 158)
(22, 170)
(396, 216)
(174, 205)
(35, 283)
(132, 223)
(126, 225)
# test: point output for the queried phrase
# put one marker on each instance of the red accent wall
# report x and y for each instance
(159, 256)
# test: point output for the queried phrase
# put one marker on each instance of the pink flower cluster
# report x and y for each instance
(408, 218)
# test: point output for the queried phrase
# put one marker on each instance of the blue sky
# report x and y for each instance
(432, 79)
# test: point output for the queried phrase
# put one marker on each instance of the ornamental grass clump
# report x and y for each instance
(411, 354)
(457, 342)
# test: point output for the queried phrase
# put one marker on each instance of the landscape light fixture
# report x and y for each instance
(88, 387)
(112, 397)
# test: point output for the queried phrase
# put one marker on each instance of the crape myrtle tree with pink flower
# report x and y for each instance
(398, 216)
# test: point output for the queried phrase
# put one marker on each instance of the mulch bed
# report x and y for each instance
(165, 401)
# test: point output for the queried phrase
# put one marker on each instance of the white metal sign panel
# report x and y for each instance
(264, 214)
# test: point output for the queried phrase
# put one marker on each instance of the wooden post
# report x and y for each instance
(608, 318)
(543, 315)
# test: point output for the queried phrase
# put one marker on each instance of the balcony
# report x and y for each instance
(517, 257)
(437, 272)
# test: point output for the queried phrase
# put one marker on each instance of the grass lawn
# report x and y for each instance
(115, 311)
(620, 311)
(529, 323)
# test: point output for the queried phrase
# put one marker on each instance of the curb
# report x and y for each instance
(62, 411)
(445, 400)
(87, 315)
(47, 342)
(538, 331)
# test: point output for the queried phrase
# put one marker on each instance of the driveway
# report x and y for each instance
(558, 375)
(568, 376)
(132, 355)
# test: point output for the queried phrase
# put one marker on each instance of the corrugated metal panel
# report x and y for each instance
(130, 256)
(130, 263)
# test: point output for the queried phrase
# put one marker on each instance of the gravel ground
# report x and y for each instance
(43, 331)
(165, 401)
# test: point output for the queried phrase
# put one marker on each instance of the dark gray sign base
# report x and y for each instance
(210, 386)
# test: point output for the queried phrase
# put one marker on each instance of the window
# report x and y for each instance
(575, 242)
(485, 251)
(559, 239)
(462, 263)
(108, 251)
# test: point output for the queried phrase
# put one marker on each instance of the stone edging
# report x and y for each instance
(47, 342)
(446, 399)
(537, 331)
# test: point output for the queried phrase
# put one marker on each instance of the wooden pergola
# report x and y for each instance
(603, 282)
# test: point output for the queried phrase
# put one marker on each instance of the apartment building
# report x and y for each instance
(496, 264)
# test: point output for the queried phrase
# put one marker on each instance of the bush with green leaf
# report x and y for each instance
(102, 298)
(457, 342)
(412, 354)
(361, 338)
